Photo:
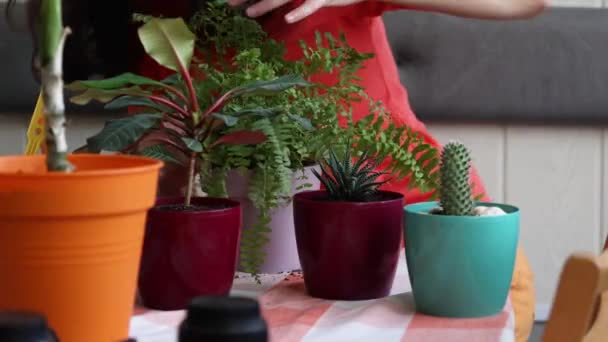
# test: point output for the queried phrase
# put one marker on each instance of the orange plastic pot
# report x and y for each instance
(70, 243)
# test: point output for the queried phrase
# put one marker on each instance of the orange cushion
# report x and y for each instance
(523, 297)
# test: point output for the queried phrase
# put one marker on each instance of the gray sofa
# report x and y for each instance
(17, 87)
(552, 69)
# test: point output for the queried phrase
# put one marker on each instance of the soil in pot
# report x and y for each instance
(379, 197)
(348, 250)
(189, 251)
(192, 208)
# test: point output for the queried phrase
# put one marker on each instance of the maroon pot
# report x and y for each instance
(189, 253)
(348, 250)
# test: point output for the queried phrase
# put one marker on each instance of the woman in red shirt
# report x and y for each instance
(361, 22)
(291, 21)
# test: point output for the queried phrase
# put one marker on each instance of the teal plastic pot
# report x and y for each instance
(460, 266)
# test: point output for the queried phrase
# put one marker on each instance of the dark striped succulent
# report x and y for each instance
(348, 180)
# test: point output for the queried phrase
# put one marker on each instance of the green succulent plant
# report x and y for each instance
(348, 180)
(455, 190)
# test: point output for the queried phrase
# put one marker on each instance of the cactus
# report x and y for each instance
(455, 191)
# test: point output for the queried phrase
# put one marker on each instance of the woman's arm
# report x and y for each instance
(483, 9)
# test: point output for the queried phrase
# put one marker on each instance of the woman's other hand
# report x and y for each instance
(484, 9)
(307, 8)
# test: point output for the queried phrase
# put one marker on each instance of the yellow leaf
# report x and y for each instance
(35, 132)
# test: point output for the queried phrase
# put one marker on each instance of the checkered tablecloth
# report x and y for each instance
(293, 316)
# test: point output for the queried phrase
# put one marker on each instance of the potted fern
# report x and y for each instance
(460, 253)
(349, 235)
(264, 178)
(71, 225)
(191, 243)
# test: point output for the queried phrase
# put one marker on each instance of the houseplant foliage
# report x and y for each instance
(223, 32)
(178, 129)
(460, 252)
(298, 122)
(364, 266)
(71, 235)
(180, 125)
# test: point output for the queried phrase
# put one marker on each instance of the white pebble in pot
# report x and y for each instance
(488, 211)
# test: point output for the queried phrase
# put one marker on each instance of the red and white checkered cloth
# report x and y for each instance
(293, 316)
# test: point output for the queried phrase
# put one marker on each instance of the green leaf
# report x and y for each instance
(51, 27)
(429, 155)
(169, 42)
(229, 120)
(302, 121)
(128, 101)
(105, 96)
(259, 112)
(120, 81)
(172, 80)
(242, 137)
(271, 87)
(120, 133)
(192, 144)
(160, 153)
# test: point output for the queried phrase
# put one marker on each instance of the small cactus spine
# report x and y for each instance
(455, 191)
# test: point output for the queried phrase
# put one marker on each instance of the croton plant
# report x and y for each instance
(178, 127)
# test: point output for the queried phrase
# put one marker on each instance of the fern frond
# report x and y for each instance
(213, 181)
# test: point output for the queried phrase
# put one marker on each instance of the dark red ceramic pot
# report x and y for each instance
(348, 250)
(187, 254)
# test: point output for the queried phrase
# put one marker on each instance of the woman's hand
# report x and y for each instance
(484, 9)
(307, 8)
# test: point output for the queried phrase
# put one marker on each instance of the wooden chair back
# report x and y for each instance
(580, 307)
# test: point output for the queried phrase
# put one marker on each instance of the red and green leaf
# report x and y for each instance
(119, 134)
(170, 42)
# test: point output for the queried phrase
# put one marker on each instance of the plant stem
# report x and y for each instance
(214, 107)
(178, 125)
(191, 91)
(191, 168)
(177, 93)
(53, 40)
(169, 104)
(207, 130)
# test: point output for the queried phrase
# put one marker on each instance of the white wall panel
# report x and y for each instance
(554, 175)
